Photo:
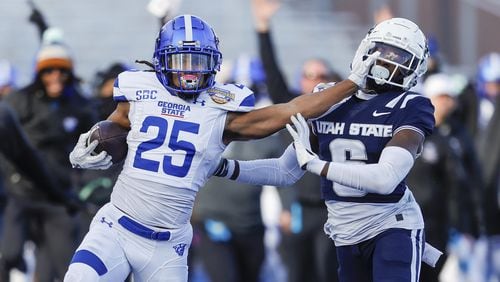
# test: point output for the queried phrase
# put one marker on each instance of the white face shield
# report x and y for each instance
(189, 71)
(189, 62)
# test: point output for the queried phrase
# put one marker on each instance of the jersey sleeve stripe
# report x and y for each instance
(418, 130)
(249, 101)
(120, 98)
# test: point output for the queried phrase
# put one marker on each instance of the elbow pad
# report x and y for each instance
(381, 178)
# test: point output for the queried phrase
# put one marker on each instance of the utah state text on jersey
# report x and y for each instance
(355, 129)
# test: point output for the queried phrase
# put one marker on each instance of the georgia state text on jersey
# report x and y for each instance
(357, 130)
(173, 145)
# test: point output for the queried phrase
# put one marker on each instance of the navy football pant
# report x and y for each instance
(392, 256)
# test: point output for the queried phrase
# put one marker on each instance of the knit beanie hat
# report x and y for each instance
(53, 56)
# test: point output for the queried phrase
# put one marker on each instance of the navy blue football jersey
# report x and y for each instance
(358, 129)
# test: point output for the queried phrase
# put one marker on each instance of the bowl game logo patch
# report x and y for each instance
(220, 96)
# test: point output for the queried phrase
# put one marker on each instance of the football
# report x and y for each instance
(112, 138)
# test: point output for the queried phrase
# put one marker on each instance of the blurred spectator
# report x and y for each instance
(228, 213)
(36, 17)
(7, 78)
(447, 173)
(16, 148)
(488, 87)
(382, 13)
(490, 156)
(435, 60)
(164, 10)
(103, 89)
(53, 113)
(307, 252)
(476, 100)
(249, 71)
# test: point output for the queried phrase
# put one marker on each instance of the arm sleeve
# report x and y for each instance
(381, 178)
(282, 171)
(276, 84)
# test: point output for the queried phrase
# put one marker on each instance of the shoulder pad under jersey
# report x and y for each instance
(413, 110)
(128, 82)
(229, 97)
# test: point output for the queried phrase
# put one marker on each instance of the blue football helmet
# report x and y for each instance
(187, 56)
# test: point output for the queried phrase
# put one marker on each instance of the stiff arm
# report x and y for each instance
(266, 121)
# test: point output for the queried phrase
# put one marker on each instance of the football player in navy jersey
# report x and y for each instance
(366, 146)
(180, 122)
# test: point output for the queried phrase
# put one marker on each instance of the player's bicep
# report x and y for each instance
(120, 114)
(408, 139)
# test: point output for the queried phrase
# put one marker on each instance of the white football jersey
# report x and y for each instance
(174, 146)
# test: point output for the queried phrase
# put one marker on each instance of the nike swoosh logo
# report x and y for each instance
(377, 114)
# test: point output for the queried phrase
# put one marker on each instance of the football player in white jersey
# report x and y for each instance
(367, 144)
(180, 122)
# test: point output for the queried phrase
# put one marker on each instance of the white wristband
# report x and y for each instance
(315, 166)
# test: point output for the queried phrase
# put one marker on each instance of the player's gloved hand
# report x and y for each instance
(81, 156)
(306, 158)
(362, 63)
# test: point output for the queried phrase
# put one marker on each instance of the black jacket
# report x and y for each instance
(16, 148)
(53, 127)
(446, 181)
(490, 157)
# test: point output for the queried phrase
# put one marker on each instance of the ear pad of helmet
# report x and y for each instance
(380, 74)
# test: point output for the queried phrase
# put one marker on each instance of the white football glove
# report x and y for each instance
(360, 67)
(306, 158)
(81, 156)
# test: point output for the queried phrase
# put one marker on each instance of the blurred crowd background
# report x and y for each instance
(58, 61)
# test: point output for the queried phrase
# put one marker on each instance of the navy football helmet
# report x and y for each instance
(186, 56)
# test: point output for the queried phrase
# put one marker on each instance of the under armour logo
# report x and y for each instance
(103, 220)
(179, 249)
(202, 102)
